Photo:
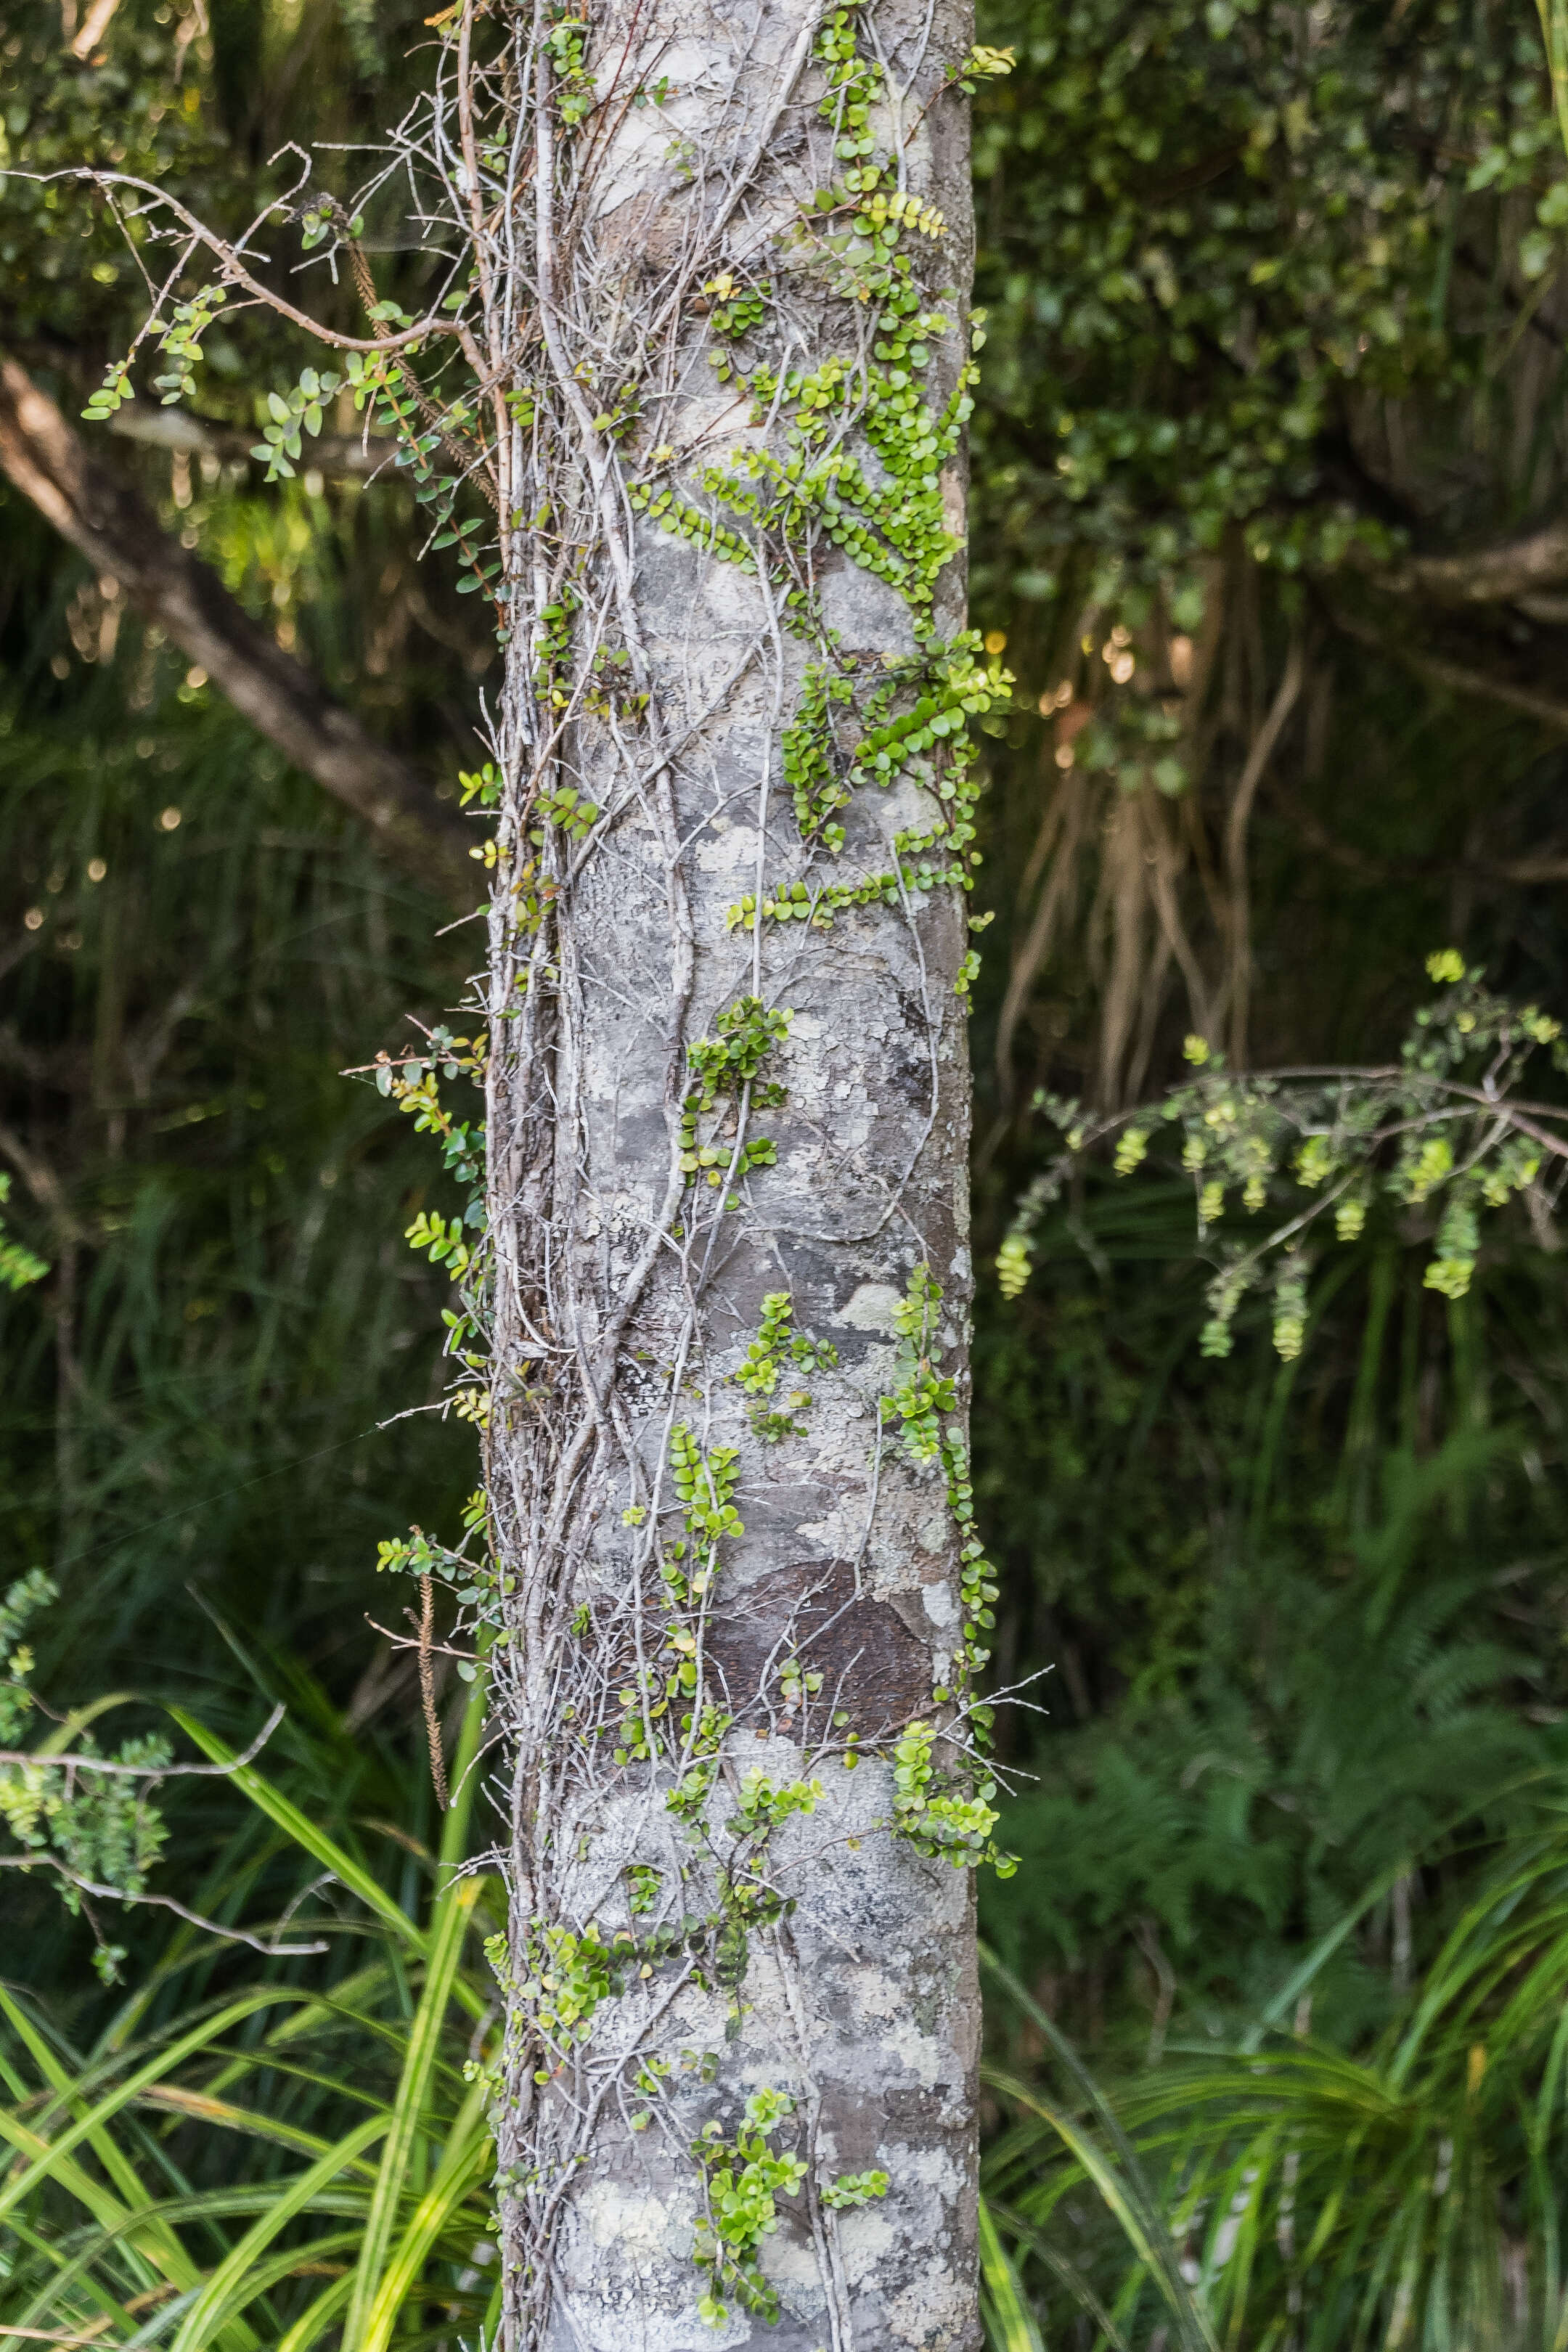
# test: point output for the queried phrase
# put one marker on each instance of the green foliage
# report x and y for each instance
(1009, 2323)
(983, 64)
(736, 309)
(739, 2186)
(1305, 1616)
(571, 1975)
(181, 343)
(705, 1482)
(725, 1068)
(1230, 1810)
(217, 1232)
(567, 43)
(643, 1882)
(91, 1820)
(567, 809)
(923, 1394)
(748, 1032)
(201, 107)
(1439, 1126)
(777, 1344)
(852, 2188)
(956, 684)
(21, 1604)
(1294, 1772)
(1244, 229)
(67, 267)
(1411, 2193)
(441, 1239)
(18, 1265)
(384, 387)
(742, 2182)
(809, 752)
(250, 2159)
(1299, 1621)
(289, 413)
(197, 945)
(764, 1805)
(935, 1819)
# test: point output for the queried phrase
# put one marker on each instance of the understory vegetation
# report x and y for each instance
(1269, 453)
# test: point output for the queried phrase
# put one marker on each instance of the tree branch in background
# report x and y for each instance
(1487, 683)
(334, 454)
(107, 1894)
(94, 26)
(1237, 993)
(1548, 864)
(118, 533)
(1530, 701)
(1503, 574)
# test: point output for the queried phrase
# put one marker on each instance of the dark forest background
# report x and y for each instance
(1268, 504)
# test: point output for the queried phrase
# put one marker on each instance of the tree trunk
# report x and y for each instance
(708, 270)
(726, 1280)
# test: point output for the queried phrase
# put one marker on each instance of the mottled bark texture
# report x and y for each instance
(715, 1082)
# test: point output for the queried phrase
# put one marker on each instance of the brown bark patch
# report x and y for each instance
(872, 1666)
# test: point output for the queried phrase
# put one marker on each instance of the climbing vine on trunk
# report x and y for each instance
(687, 409)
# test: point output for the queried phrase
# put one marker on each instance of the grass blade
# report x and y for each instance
(23, 2183)
(238, 2280)
(462, 2165)
(1012, 2325)
(304, 1831)
(1125, 2190)
(454, 1908)
(314, 2323)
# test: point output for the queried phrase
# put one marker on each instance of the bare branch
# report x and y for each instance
(162, 1903)
(1239, 989)
(55, 2336)
(1463, 677)
(233, 272)
(1544, 865)
(148, 1772)
(41, 1181)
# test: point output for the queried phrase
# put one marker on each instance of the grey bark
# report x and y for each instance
(624, 1296)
